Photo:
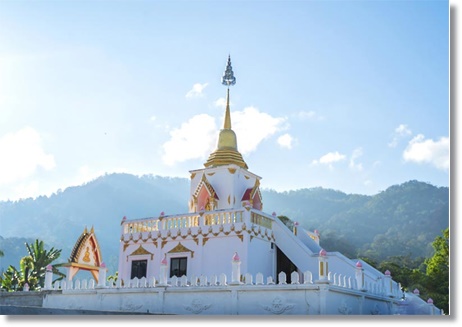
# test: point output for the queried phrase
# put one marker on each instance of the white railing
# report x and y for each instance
(256, 218)
(184, 286)
(187, 221)
(306, 278)
(224, 217)
(160, 223)
(180, 222)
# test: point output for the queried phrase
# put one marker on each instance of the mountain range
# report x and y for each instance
(402, 220)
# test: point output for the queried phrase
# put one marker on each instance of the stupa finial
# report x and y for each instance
(228, 78)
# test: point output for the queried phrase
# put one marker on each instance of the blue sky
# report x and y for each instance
(349, 95)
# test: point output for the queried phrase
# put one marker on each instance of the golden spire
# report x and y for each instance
(227, 122)
(226, 152)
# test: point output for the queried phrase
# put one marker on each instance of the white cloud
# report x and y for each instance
(421, 150)
(197, 90)
(22, 154)
(309, 115)
(194, 139)
(358, 152)
(330, 158)
(197, 138)
(252, 127)
(221, 103)
(285, 141)
(401, 131)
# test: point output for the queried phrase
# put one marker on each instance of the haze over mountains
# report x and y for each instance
(402, 220)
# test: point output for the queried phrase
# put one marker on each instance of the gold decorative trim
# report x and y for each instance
(209, 188)
(181, 248)
(80, 265)
(195, 239)
(204, 240)
(163, 244)
(142, 251)
(87, 241)
(221, 157)
(193, 175)
(232, 170)
(210, 174)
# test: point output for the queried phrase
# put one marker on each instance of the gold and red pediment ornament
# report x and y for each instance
(86, 255)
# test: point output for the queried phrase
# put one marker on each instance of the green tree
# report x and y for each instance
(26, 267)
(15, 280)
(32, 268)
(113, 278)
(430, 276)
(41, 258)
(437, 271)
(10, 279)
(287, 221)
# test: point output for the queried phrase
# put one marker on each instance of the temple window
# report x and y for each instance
(178, 266)
(139, 268)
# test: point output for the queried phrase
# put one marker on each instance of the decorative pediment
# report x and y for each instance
(250, 193)
(85, 255)
(181, 248)
(142, 251)
(86, 250)
(204, 183)
(253, 195)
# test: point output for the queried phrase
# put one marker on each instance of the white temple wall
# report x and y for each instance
(261, 258)
(198, 301)
(217, 253)
(234, 300)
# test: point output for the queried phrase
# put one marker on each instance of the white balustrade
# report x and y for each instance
(294, 278)
(282, 278)
(223, 279)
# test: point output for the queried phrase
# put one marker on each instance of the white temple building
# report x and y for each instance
(226, 256)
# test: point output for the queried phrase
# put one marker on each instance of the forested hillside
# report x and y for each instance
(403, 220)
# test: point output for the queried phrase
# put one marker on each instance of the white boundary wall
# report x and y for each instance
(250, 297)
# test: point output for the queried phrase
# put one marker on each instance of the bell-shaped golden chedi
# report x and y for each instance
(226, 152)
